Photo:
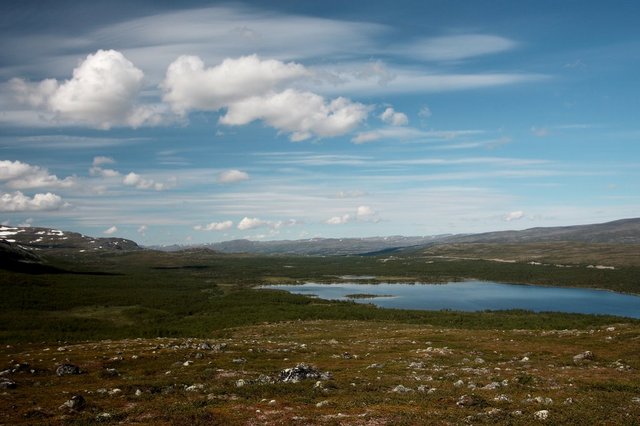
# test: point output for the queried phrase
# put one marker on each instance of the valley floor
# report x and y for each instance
(380, 373)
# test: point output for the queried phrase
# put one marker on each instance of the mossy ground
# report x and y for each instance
(367, 360)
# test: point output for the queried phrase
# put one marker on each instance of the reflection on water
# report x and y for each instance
(477, 296)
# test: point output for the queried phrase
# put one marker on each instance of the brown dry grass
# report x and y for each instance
(601, 391)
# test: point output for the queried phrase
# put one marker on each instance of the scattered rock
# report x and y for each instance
(417, 365)
(115, 391)
(492, 386)
(620, 366)
(458, 384)
(375, 366)
(112, 372)
(6, 383)
(263, 379)
(103, 417)
(471, 401)
(426, 389)
(194, 388)
(239, 360)
(273, 402)
(20, 367)
(76, 403)
(67, 369)
(206, 346)
(584, 356)
(240, 383)
(302, 372)
(138, 392)
(502, 398)
(323, 403)
(187, 363)
(401, 389)
(539, 400)
(541, 415)
(219, 347)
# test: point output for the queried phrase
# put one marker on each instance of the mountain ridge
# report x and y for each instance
(34, 239)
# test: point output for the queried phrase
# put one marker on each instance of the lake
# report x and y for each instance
(476, 296)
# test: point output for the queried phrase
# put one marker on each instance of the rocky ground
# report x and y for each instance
(330, 372)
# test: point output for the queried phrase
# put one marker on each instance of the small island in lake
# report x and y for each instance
(366, 296)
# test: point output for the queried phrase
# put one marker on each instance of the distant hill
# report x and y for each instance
(624, 231)
(24, 241)
(35, 239)
(315, 246)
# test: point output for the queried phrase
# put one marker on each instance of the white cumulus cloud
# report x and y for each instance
(97, 169)
(390, 116)
(339, 220)
(215, 226)
(18, 202)
(100, 160)
(361, 214)
(251, 88)
(19, 175)
(101, 93)
(190, 86)
(365, 213)
(515, 215)
(231, 176)
(107, 173)
(303, 114)
(134, 179)
(251, 223)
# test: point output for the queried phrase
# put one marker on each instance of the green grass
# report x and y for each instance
(151, 294)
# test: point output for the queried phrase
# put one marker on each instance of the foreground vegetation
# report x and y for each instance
(381, 373)
(151, 294)
(135, 322)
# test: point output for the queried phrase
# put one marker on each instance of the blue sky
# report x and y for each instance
(289, 119)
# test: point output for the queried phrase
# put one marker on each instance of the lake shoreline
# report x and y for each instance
(474, 296)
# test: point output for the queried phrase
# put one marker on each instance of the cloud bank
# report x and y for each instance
(101, 93)
(18, 202)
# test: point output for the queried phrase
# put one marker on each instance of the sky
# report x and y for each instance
(212, 121)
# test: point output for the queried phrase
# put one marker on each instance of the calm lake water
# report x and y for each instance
(477, 296)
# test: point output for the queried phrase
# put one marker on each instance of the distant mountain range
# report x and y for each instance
(624, 231)
(26, 244)
(21, 248)
(35, 239)
(314, 246)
